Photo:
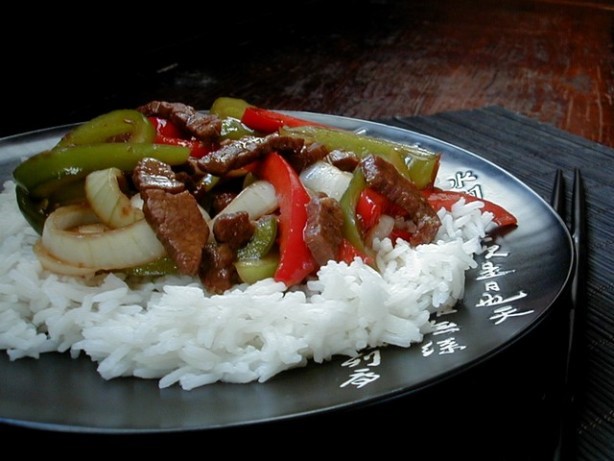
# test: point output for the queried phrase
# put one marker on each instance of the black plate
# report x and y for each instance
(517, 281)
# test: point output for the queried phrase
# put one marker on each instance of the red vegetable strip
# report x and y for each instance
(165, 128)
(369, 208)
(399, 233)
(168, 133)
(296, 261)
(347, 253)
(438, 198)
(268, 121)
(371, 205)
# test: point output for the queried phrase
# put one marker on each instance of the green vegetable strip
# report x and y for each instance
(252, 270)
(416, 164)
(232, 128)
(33, 211)
(351, 229)
(229, 107)
(162, 266)
(45, 172)
(262, 241)
(125, 125)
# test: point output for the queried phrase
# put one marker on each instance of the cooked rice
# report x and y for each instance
(170, 329)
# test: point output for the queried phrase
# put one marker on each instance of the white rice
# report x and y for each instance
(170, 329)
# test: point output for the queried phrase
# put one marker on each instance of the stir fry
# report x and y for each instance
(237, 194)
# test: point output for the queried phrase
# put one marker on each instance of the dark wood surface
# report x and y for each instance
(551, 60)
(547, 59)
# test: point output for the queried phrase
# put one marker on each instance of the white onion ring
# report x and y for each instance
(120, 248)
(257, 199)
(107, 200)
(321, 176)
(57, 266)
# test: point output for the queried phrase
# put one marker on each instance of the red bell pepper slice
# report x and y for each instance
(295, 259)
(439, 198)
(197, 148)
(165, 128)
(399, 233)
(347, 253)
(369, 208)
(169, 133)
(268, 121)
(371, 205)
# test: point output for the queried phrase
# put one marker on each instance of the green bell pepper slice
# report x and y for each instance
(48, 171)
(262, 241)
(34, 211)
(230, 110)
(229, 107)
(258, 260)
(351, 226)
(123, 125)
(163, 266)
(253, 270)
(234, 129)
(417, 164)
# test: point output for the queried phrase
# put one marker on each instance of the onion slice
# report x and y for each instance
(57, 266)
(258, 199)
(111, 249)
(321, 176)
(108, 201)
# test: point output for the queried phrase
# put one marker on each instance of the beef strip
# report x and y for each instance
(152, 173)
(384, 178)
(235, 229)
(196, 182)
(322, 231)
(206, 127)
(309, 154)
(217, 270)
(239, 153)
(344, 160)
(179, 225)
(231, 156)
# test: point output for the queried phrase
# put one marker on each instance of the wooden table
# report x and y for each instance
(551, 60)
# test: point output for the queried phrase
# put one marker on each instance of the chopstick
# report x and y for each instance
(557, 200)
(565, 447)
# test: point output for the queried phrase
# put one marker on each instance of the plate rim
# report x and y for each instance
(444, 376)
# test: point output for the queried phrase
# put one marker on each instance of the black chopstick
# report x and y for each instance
(557, 200)
(565, 447)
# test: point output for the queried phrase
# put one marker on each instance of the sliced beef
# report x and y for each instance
(344, 160)
(384, 178)
(220, 200)
(309, 154)
(235, 229)
(217, 271)
(179, 225)
(246, 150)
(151, 173)
(206, 127)
(199, 184)
(322, 232)
(231, 156)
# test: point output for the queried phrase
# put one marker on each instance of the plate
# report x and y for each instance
(518, 279)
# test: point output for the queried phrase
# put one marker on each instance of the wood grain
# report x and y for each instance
(547, 59)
